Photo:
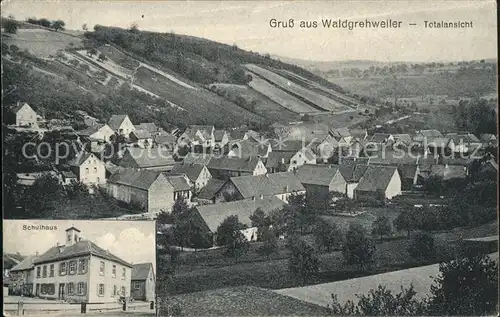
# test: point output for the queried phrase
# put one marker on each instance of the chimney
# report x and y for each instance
(72, 235)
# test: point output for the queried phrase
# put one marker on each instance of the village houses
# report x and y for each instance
(160, 159)
(121, 124)
(97, 132)
(198, 174)
(181, 185)
(141, 138)
(81, 271)
(88, 168)
(281, 185)
(378, 183)
(213, 215)
(197, 135)
(150, 190)
(22, 276)
(24, 115)
(321, 182)
(225, 167)
(282, 161)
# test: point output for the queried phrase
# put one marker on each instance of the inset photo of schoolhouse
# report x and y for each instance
(66, 268)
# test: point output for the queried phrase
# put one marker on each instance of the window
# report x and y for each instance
(44, 271)
(101, 268)
(71, 288)
(81, 288)
(43, 289)
(82, 266)
(62, 268)
(51, 272)
(38, 272)
(123, 290)
(114, 271)
(86, 170)
(115, 290)
(95, 169)
(100, 290)
(137, 285)
(124, 273)
(72, 267)
(28, 274)
(69, 238)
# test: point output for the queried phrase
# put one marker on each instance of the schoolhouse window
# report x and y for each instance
(100, 290)
(101, 268)
(114, 271)
(51, 273)
(44, 271)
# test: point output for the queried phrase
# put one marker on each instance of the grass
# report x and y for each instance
(291, 86)
(41, 43)
(243, 301)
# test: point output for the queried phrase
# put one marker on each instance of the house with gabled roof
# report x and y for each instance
(464, 142)
(403, 139)
(225, 167)
(410, 174)
(22, 276)
(202, 135)
(159, 159)
(208, 193)
(143, 282)
(88, 168)
(379, 183)
(150, 190)
(81, 271)
(351, 173)
(97, 132)
(221, 138)
(342, 135)
(198, 174)
(141, 138)
(213, 215)
(197, 158)
(489, 139)
(289, 161)
(281, 185)
(24, 115)
(121, 124)
(150, 127)
(248, 148)
(321, 182)
(181, 185)
(426, 135)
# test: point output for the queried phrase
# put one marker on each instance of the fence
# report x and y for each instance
(21, 308)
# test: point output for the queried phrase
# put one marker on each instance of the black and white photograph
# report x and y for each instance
(69, 268)
(293, 158)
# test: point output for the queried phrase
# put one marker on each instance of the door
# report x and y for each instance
(61, 291)
(37, 290)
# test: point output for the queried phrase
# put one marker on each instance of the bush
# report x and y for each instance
(422, 247)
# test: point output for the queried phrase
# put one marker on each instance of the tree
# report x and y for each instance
(260, 220)
(11, 26)
(381, 302)
(406, 220)
(422, 247)
(303, 262)
(77, 189)
(44, 22)
(328, 235)
(382, 226)
(180, 208)
(270, 242)
(134, 28)
(84, 27)
(228, 234)
(102, 57)
(359, 247)
(58, 25)
(466, 286)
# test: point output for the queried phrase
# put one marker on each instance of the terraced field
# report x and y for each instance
(199, 102)
(335, 95)
(312, 98)
(263, 104)
(41, 43)
(280, 97)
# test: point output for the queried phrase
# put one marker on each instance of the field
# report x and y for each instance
(281, 97)
(243, 301)
(311, 98)
(41, 43)
(420, 277)
(263, 105)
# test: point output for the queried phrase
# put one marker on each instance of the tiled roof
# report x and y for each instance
(208, 192)
(214, 214)
(376, 178)
(148, 126)
(408, 170)
(68, 174)
(267, 185)
(26, 264)
(142, 179)
(487, 137)
(165, 139)
(90, 130)
(116, 120)
(276, 158)
(140, 272)
(142, 134)
(403, 138)
(316, 175)
(18, 107)
(441, 142)
(380, 137)
(448, 172)
(28, 179)
(249, 147)
(430, 133)
(198, 158)
(144, 158)
(288, 145)
(340, 132)
(246, 164)
(80, 248)
(192, 171)
(79, 159)
(352, 173)
(219, 135)
(179, 182)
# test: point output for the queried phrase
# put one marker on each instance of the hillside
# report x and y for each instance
(170, 79)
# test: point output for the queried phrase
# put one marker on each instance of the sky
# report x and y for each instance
(133, 241)
(246, 24)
